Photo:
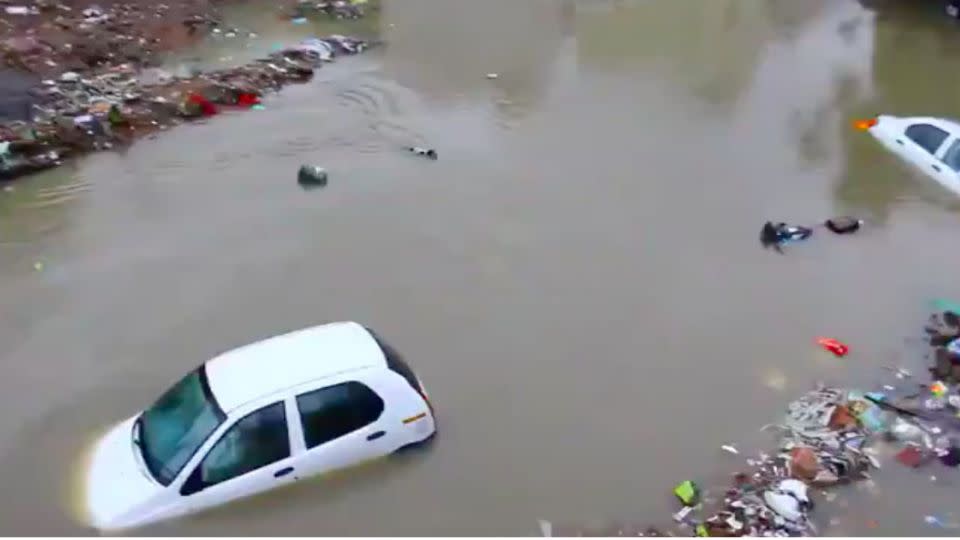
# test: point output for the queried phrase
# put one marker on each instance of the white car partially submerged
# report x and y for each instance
(930, 144)
(256, 418)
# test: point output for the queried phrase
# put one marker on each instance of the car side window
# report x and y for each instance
(928, 137)
(952, 157)
(255, 441)
(332, 412)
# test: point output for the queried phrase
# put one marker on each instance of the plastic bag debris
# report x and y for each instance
(954, 347)
(683, 514)
(20, 10)
(730, 449)
(688, 493)
(789, 499)
(323, 50)
(937, 522)
(904, 431)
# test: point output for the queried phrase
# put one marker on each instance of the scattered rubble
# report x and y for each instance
(82, 76)
(303, 10)
(76, 113)
(48, 37)
(826, 440)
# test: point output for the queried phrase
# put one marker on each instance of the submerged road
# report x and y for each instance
(577, 279)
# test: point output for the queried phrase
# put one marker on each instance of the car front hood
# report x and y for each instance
(117, 484)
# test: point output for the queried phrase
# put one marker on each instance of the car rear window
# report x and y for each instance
(396, 362)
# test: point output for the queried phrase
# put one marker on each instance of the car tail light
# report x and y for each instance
(864, 125)
(424, 395)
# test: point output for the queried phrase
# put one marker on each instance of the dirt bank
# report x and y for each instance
(81, 77)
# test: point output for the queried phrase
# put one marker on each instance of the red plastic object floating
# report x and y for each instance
(207, 108)
(834, 346)
(246, 99)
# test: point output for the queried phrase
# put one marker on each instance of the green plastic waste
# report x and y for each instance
(702, 531)
(942, 304)
(114, 116)
(687, 492)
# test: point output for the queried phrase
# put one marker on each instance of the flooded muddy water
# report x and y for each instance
(577, 278)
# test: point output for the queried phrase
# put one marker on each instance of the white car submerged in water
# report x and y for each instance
(930, 144)
(256, 418)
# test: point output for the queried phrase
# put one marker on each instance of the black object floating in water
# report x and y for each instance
(429, 153)
(777, 235)
(311, 176)
(844, 224)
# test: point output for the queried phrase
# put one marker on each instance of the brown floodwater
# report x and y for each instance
(577, 278)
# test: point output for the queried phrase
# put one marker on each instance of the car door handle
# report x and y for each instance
(900, 142)
(375, 436)
(283, 472)
(936, 167)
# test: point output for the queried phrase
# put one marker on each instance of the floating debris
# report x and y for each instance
(429, 153)
(312, 176)
(832, 345)
(688, 493)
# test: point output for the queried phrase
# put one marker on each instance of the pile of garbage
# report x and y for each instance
(77, 113)
(824, 439)
(47, 37)
(827, 438)
(336, 9)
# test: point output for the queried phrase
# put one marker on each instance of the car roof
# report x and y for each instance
(257, 370)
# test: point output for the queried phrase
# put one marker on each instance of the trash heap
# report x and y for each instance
(48, 37)
(77, 113)
(827, 438)
(823, 443)
(337, 9)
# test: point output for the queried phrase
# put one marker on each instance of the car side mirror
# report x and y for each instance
(193, 484)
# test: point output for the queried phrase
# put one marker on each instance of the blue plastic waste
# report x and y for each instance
(872, 418)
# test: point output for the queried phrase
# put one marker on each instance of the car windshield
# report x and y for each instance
(177, 424)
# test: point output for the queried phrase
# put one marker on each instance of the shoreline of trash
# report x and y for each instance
(111, 100)
(828, 438)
